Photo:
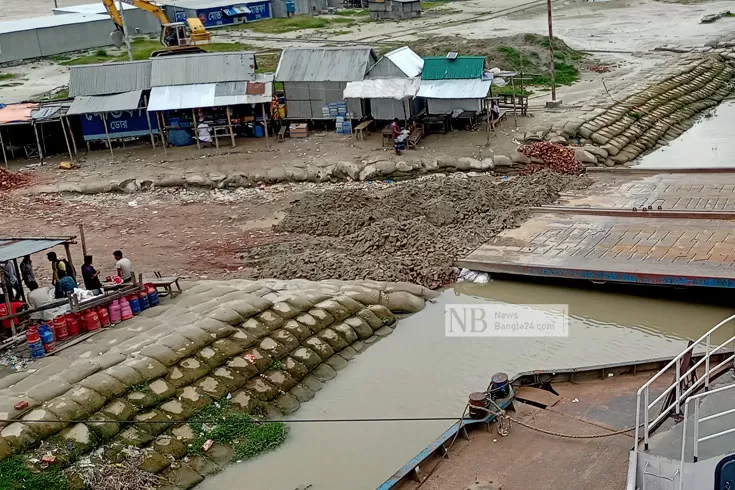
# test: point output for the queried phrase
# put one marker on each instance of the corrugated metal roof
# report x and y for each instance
(442, 68)
(16, 113)
(50, 111)
(49, 21)
(203, 68)
(208, 95)
(345, 64)
(109, 78)
(454, 89)
(85, 104)
(407, 61)
(13, 248)
(382, 88)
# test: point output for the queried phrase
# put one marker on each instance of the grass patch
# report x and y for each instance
(7, 76)
(142, 49)
(432, 5)
(508, 90)
(268, 62)
(15, 475)
(353, 12)
(298, 23)
(340, 33)
(60, 57)
(247, 437)
(565, 71)
(275, 365)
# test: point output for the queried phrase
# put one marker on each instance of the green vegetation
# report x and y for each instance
(16, 475)
(275, 365)
(268, 62)
(529, 61)
(288, 24)
(142, 49)
(635, 115)
(508, 90)
(246, 436)
(61, 57)
(354, 12)
(435, 4)
(7, 76)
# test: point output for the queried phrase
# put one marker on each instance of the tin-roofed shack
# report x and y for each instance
(454, 83)
(315, 77)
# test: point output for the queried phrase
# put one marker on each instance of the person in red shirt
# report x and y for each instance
(396, 130)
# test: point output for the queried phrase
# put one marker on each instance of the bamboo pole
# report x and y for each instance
(38, 142)
(66, 138)
(107, 133)
(229, 123)
(81, 236)
(71, 136)
(265, 126)
(196, 137)
(67, 249)
(20, 280)
(6, 288)
(2, 143)
(150, 126)
(162, 131)
(515, 113)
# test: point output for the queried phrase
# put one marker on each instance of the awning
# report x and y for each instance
(470, 88)
(17, 113)
(382, 88)
(50, 112)
(85, 104)
(236, 10)
(209, 95)
(13, 248)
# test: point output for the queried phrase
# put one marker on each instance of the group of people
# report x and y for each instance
(63, 276)
(401, 135)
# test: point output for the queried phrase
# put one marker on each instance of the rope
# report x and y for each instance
(569, 436)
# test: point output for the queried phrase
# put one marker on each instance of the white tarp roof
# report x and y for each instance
(208, 95)
(474, 88)
(407, 61)
(382, 88)
(90, 104)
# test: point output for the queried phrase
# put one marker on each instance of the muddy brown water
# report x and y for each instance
(418, 372)
(708, 144)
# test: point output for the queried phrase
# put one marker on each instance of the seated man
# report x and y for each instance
(66, 285)
(494, 113)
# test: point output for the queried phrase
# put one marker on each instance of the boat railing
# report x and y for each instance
(696, 420)
(685, 383)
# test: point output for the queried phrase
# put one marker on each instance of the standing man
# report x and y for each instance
(26, 272)
(91, 276)
(60, 265)
(124, 267)
(11, 279)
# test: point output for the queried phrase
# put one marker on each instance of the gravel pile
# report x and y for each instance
(411, 231)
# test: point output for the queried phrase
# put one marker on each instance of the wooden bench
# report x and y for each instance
(415, 137)
(166, 283)
(387, 137)
(362, 129)
(503, 115)
(282, 133)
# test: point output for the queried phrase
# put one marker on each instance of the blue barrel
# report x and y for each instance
(153, 297)
(134, 304)
(143, 301)
(259, 132)
(46, 334)
(37, 350)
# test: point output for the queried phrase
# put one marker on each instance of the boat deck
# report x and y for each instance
(530, 460)
(680, 234)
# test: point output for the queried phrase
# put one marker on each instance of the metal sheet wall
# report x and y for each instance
(446, 106)
(19, 45)
(306, 99)
(389, 109)
(74, 37)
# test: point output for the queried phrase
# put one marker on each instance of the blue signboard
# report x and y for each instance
(123, 124)
(250, 12)
(258, 10)
(180, 15)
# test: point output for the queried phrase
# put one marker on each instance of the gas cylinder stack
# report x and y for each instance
(41, 339)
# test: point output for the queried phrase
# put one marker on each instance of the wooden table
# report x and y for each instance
(436, 124)
(387, 137)
(362, 128)
(222, 132)
(470, 116)
(167, 284)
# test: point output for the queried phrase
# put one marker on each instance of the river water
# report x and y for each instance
(709, 143)
(419, 372)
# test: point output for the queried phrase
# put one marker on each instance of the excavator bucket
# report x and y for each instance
(198, 32)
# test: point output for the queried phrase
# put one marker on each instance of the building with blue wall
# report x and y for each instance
(216, 13)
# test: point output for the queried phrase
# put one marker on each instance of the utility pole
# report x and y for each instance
(551, 52)
(125, 32)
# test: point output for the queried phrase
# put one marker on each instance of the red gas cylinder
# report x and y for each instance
(92, 320)
(125, 312)
(60, 329)
(72, 324)
(32, 334)
(104, 317)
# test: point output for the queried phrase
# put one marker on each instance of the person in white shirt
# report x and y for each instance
(203, 134)
(124, 267)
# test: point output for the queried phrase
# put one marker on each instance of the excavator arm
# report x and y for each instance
(141, 4)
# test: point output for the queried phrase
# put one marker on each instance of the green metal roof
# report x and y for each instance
(442, 68)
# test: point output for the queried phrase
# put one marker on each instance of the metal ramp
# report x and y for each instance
(701, 398)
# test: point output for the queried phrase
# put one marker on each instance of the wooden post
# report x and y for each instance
(6, 288)
(107, 133)
(38, 142)
(196, 133)
(150, 126)
(84, 242)
(265, 126)
(2, 143)
(20, 280)
(71, 136)
(515, 114)
(43, 141)
(66, 138)
(68, 257)
(551, 52)
(229, 123)
(162, 131)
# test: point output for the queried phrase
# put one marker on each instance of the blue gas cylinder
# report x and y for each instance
(46, 334)
(259, 133)
(37, 350)
(143, 301)
(153, 297)
(134, 304)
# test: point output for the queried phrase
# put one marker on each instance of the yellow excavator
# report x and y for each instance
(177, 37)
